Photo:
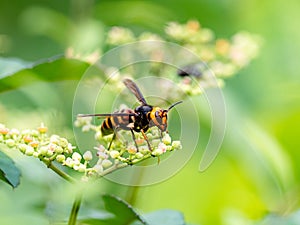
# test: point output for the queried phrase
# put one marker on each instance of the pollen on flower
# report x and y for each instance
(42, 129)
(27, 139)
(34, 144)
(132, 149)
(4, 130)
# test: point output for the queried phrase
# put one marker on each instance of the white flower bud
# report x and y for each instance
(176, 145)
(49, 153)
(14, 131)
(29, 151)
(63, 142)
(114, 154)
(87, 156)
(106, 163)
(22, 147)
(86, 128)
(76, 156)
(69, 162)
(160, 149)
(54, 139)
(102, 155)
(43, 150)
(10, 143)
(139, 155)
(59, 150)
(60, 158)
(98, 136)
(34, 133)
(144, 150)
(81, 168)
(98, 168)
(69, 148)
(166, 139)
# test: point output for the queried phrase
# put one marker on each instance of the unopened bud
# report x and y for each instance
(76, 156)
(63, 142)
(98, 168)
(22, 147)
(87, 156)
(59, 149)
(176, 145)
(29, 150)
(43, 150)
(55, 139)
(60, 158)
(166, 139)
(80, 168)
(86, 128)
(114, 154)
(106, 163)
(10, 143)
(139, 155)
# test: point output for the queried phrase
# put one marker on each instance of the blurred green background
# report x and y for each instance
(257, 171)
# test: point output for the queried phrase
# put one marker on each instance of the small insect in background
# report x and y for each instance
(139, 119)
(194, 70)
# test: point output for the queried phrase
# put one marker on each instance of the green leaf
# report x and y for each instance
(58, 69)
(164, 217)
(9, 173)
(124, 213)
(118, 212)
(12, 65)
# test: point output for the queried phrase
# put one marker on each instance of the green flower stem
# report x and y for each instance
(113, 168)
(58, 171)
(75, 209)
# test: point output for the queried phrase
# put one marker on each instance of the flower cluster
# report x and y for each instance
(37, 143)
(218, 58)
(123, 150)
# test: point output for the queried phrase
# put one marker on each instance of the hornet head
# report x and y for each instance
(159, 117)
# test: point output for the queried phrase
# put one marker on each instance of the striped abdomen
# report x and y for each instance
(117, 122)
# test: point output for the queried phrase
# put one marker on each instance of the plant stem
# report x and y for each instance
(59, 172)
(113, 168)
(75, 209)
(77, 201)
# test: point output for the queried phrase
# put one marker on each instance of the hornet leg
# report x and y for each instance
(149, 146)
(133, 137)
(113, 138)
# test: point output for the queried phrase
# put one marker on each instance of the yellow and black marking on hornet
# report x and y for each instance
(139, 120)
